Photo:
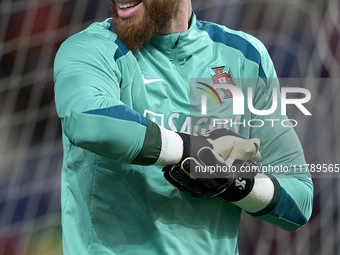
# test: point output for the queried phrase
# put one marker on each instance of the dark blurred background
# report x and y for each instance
(303, 38)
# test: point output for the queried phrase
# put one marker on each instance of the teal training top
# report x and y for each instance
(108, 100)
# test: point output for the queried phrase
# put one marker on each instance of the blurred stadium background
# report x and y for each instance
(303, 38)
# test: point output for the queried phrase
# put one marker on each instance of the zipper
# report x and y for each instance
(179, 69)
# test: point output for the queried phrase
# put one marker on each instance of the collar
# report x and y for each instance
(167, 43)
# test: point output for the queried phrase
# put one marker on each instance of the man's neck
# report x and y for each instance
(180, 22)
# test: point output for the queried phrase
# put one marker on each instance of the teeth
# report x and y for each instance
(128, 4)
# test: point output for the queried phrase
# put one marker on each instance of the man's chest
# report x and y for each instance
(185, 96)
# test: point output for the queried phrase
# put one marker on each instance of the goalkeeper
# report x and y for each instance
(130, 146)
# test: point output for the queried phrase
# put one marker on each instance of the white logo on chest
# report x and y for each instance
(147, 81)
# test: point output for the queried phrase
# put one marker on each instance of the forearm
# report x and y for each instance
(284, 202)
(292, 204)
(123, 135)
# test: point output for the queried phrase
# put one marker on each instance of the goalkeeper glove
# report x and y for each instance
(225, 144)
(215, 149)
(202, 182)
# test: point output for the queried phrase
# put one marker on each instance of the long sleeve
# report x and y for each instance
(282, 157)
(90, 73)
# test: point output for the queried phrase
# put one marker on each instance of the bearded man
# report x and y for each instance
(132, 136)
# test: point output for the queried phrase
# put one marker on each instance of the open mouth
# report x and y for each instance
(128, 5)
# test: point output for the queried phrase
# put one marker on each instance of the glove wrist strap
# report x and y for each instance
(260, 197)
(238, 190)
(186, 145)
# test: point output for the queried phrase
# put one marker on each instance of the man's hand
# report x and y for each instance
(224, 144)
(205, 182)
(211, 165)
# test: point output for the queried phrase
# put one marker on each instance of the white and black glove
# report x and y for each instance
(211, 165)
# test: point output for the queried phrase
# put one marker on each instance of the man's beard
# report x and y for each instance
(158, 14)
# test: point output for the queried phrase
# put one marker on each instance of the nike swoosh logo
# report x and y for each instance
(147, 81)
